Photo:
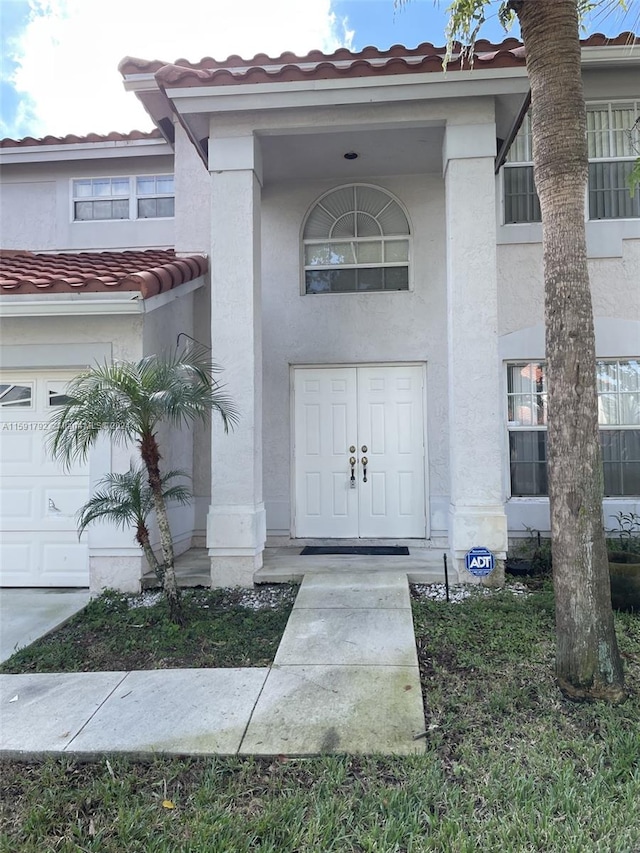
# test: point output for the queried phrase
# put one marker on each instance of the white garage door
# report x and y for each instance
(39, 544)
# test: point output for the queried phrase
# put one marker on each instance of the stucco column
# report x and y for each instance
(236, 529)
(476, 512)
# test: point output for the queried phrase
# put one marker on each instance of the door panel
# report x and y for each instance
(325, 428)
(377, 408)
(390, 426)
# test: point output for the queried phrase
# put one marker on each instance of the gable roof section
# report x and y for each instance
(341, 64)
(147, 272)
(318, 66)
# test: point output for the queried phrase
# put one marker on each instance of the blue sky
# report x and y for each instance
(59, 58)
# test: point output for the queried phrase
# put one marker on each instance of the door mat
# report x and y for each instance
(365, 550)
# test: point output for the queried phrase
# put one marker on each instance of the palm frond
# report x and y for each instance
(125, 499)
(98, 403)
(126, 400)
(182, 387)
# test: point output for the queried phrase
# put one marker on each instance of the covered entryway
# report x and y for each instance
(359, 452)
(38, 498)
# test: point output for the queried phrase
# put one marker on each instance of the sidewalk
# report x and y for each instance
(345, 679)
(31, 613)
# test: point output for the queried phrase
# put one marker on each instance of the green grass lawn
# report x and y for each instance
(223, 628)
(509, 765)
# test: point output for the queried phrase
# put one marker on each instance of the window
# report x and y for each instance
(356, 238)
(56, 396)
(613, 142)
(155, 196)
(520, 198)
(619, 416)
(144, 197)
(16, 396)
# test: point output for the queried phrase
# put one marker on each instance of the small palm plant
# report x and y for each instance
(126, 501)
(128, 401)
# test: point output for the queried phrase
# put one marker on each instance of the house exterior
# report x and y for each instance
(357, 238)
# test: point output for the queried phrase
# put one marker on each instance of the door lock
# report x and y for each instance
(364, 448)
(352, 449)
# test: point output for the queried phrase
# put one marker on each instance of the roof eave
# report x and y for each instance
(85, 151)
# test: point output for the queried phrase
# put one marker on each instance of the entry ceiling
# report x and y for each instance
(380, 152)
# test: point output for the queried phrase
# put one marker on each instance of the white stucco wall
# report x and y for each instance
(36, 210)
(351, 328)
(615, 289)
(615, 284)
(161, 328)
(193, 198)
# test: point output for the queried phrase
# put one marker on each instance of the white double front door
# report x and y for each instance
(359, 452)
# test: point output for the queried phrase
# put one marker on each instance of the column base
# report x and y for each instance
(236, 537)
(121, 573)
(478, 527)
(230, 571)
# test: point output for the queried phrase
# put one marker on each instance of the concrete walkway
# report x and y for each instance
(345, 679)
(26, 614)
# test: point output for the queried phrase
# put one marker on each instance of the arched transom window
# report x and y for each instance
(356, 238)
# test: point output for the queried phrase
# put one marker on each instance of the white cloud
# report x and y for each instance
(67, 56)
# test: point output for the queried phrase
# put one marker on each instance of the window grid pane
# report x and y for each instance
(612, 132)
(619, 393)
(108, 198)
(609, 196)
(527, 394)
(15, 396)
(619, 406)
(520, 198)
(366, 261)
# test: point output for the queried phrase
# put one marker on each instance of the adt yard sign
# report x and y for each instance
(480, 562)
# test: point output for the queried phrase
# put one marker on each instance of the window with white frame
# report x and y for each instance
(619, 417)
(520, 198)
(613, 142)
(355, 239)
(15, 395)
(135, 197)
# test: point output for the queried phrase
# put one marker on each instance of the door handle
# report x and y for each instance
(365, 462)
(352, 462)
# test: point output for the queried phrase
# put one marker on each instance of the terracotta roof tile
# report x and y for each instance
(148, 272)
(341, 64)
(72, 139)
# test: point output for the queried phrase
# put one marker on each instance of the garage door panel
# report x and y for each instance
(16, 503)
(18, 451)
(16, 559)
(32, 503)
(62, 562)
(62, 503)
(39, 498)
(25, 452)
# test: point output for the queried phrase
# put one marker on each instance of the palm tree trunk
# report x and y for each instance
(151, 457)
(588, 664)
(142, 537)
